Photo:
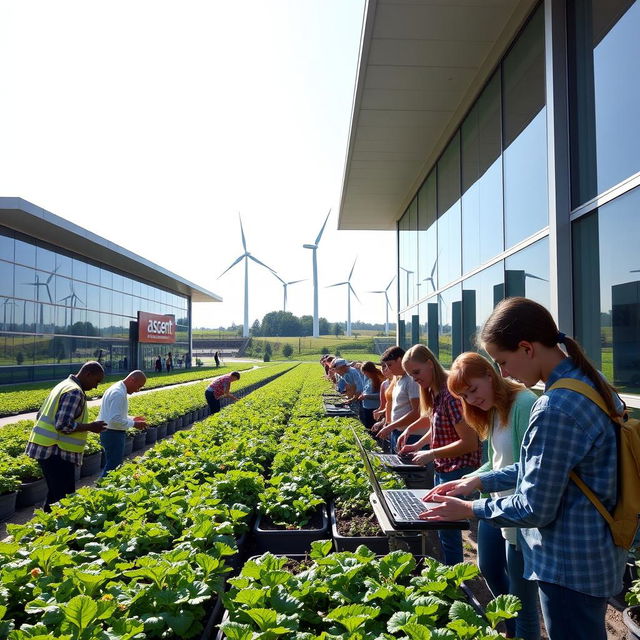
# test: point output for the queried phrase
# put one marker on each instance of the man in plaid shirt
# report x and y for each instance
(59, 435)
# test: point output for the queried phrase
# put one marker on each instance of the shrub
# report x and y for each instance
(266, 357)
(287, 351)
(324, 351)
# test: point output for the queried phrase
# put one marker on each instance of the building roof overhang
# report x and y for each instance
(27, 218)
(422, 63)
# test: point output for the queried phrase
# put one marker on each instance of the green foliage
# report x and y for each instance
(287, 351)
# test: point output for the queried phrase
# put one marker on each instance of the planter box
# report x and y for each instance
(128, 446)
(31, 493)
(162, 430)
(171, 427)
(151, 435)
(631, 618)
(212, 620)
(8, 504)
(139, 440)
(179, 423)
(288, 541)
(91, 465)
(378, 544)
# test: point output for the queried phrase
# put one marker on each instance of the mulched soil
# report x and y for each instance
(357, 523)
(315, 522)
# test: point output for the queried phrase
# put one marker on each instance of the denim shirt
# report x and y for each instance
(372, 397)
(565, 540)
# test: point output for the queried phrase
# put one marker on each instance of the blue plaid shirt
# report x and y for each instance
(564, 539)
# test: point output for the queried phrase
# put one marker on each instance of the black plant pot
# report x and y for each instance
(151, 435)
(8, 504)
(91, 465)
(128, 445)
(31, 493)
(631, 618)
(171, 427)
(162, 430)
(139, 440)
(378, 544)
(289, 541)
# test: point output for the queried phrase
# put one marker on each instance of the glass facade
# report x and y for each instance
(486, 194)
(60, 310)
(484, 231)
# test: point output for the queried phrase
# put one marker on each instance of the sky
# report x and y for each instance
(155, 124)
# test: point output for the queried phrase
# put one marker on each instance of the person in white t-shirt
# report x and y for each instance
(113, 410)
(405, 407)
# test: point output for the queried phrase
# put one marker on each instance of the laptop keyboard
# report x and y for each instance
(405, 503)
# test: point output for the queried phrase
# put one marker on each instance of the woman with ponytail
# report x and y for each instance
(498, 409)
(566, 544)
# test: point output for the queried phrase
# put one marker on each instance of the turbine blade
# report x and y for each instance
(261, 263)
(530, 275)
(353, 291)
(296, 281)
(390, 283)
(233, 264)
(323, 226)
(352, 268)
(244, 241)
(337, 284)
(377, 292)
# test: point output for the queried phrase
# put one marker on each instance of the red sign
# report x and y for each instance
(155, 328)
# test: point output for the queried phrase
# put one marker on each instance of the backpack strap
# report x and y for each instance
(589, 392)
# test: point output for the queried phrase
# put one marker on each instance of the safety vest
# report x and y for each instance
(44, 431)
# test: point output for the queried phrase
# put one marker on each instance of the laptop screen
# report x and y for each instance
(367, 464)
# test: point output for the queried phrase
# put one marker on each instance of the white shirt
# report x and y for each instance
(502, 444)
(405, 390)
(115, 407)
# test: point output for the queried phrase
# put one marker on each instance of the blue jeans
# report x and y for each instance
(112, 442)
(569, 614)
(451, 539)
(502, 566)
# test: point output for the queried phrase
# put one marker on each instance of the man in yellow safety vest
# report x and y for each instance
(59, 435)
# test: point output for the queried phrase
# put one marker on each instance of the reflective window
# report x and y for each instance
(127, 284)
(80, 297)
(93, 274)
(429, 319)
(6, 245)
(480, 294)
(427, 237)
(24, 315)
(482, 232)
(449, 222)
(6, 278)
(450, 325)
(526, 273)
(45, 259)
(25, 253)
(93, 323)
(93, 297)
(605, 94)
(79, 270)
(106, 299)
(136, 287)
(525, 134)
(607, 289)
(25, 282)
(106, 278)
(64, 265)
(7, 307)
(118, 283)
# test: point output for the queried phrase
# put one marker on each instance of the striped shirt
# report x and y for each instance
(565, 540)
(69, 410)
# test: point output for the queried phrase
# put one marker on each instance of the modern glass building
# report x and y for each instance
(68, 296)
(501, 140)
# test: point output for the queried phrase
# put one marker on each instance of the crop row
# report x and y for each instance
(18, 399)
(158, 407)
(143, 553)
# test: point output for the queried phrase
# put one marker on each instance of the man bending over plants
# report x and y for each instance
(218, 389)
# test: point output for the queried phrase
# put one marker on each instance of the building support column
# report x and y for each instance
(559, 176)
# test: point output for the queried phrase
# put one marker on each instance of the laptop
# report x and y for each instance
(403, 506)
(397, 462)
(337, 409)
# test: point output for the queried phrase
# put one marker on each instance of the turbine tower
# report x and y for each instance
(350, 290)
(284, 286)
(387, 306)
(314, 248)
(246, 256)
(408, 272)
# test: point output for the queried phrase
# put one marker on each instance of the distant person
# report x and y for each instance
(218, 389)
(158, 364)
(169, 362)
(370, 396)
(125, 363)
(59, 435)
(216, 357)
(113, 410)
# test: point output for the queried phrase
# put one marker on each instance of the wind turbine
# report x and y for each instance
(430, 277)
(37, 284)
(246, 256)
(284, 286)
(314, 248)
(408, 274)
(70, 301)
(7, 302)
(385, 291)
(350, 290)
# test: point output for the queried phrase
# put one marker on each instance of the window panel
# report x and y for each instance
(525, 134)
(25, 253)
(7, 245)
(427, 236)
(6, 278)
(24, 282)
(64, 265)
(106, 278)
(450, 325)
(79, 270)
(527, 273)
(45, 259)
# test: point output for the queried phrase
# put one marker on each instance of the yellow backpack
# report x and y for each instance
(623, 522)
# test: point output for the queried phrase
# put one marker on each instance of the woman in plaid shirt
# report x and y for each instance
(454, 445)
(566, 544)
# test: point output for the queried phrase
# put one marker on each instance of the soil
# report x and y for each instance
(357, 524)
(315, 522)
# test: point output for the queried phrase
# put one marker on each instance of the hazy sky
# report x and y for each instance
(154, 123)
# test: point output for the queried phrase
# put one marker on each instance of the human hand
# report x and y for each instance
(461, 487)
(139, 422)
(402, 439)
(449, 509)
(422, 458)
(98, 426)
(407, 448)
